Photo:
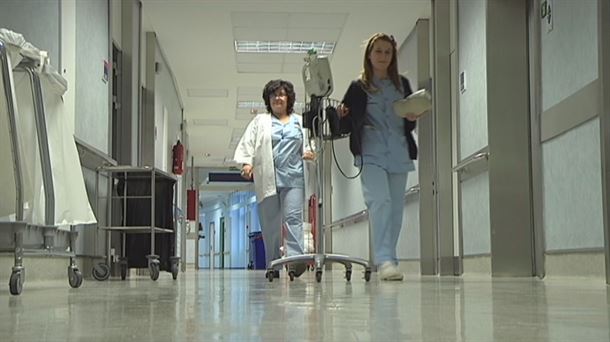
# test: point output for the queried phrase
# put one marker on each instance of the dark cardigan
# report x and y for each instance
(356, 100)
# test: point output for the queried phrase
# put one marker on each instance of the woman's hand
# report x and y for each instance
(411, 117)
(246, 171)
(309, 155)
(342, 110)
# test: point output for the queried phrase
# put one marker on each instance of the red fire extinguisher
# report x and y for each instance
(178, 158)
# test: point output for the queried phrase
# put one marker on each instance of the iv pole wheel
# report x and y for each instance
(269, 275)
(101, 271)
(16, 283)
(153, 269)
(318, 275)
(75, 277)
(124, 267)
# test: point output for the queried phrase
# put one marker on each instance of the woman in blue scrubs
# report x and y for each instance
(382, 144)
(272, 151)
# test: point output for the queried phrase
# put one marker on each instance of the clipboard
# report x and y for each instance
(418, 103)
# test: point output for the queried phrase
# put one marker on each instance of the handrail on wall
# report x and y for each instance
(364, 214)
(412, 191)
(471, 160)
(353, 218)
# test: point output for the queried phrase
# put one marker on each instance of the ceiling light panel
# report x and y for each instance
(251, 105)
(268, 46)
(261, 105)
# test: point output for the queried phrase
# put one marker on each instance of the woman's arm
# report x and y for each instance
(346, 123)
(244, 152)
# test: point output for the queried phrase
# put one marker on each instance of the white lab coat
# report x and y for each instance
(255, 148)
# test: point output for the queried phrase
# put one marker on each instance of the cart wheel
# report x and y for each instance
(318, 276)
(367, 275)
(101, 271)
(123, 270)
(175, 271)
(153, 267)
(16, 283)
(348, 275)
(80, 278)
(269, 275)
(291, 275)
(75, 277)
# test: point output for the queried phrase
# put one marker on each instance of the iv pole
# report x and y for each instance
(318, 83)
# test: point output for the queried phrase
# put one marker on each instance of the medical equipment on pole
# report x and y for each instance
(317, 77)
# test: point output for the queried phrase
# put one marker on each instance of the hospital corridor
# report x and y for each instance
(304, 170)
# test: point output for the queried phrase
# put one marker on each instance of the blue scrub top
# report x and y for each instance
(287, 142)
(383, 137)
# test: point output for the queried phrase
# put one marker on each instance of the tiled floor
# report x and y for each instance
(240, 305)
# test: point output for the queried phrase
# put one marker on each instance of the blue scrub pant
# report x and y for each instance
(284, 208)
(384, 195)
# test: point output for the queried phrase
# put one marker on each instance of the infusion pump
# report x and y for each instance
(317, 77)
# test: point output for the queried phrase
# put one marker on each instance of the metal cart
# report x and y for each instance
(20, 225)
(130, 220)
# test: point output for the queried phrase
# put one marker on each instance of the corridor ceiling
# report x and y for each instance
(197, 38)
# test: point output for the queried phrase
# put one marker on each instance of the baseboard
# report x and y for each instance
(575, 264)
(479, 264)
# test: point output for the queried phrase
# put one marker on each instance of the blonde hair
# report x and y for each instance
(366, 76)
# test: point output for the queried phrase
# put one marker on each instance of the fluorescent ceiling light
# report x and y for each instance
(261, 105)
(251, 105)
(267, 46)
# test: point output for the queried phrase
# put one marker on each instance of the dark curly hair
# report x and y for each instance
(272, 87)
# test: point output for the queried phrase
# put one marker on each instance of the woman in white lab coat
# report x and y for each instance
(272, 151)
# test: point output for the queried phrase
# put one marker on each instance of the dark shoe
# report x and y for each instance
(273, 273)
(299, 269)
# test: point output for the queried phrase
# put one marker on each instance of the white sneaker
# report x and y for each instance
(389, 271)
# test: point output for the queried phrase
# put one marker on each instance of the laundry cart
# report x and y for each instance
(139, 206)
(40, 167)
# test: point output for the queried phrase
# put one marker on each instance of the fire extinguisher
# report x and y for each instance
(178, 158)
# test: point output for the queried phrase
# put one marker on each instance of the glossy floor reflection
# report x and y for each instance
(241, 305)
